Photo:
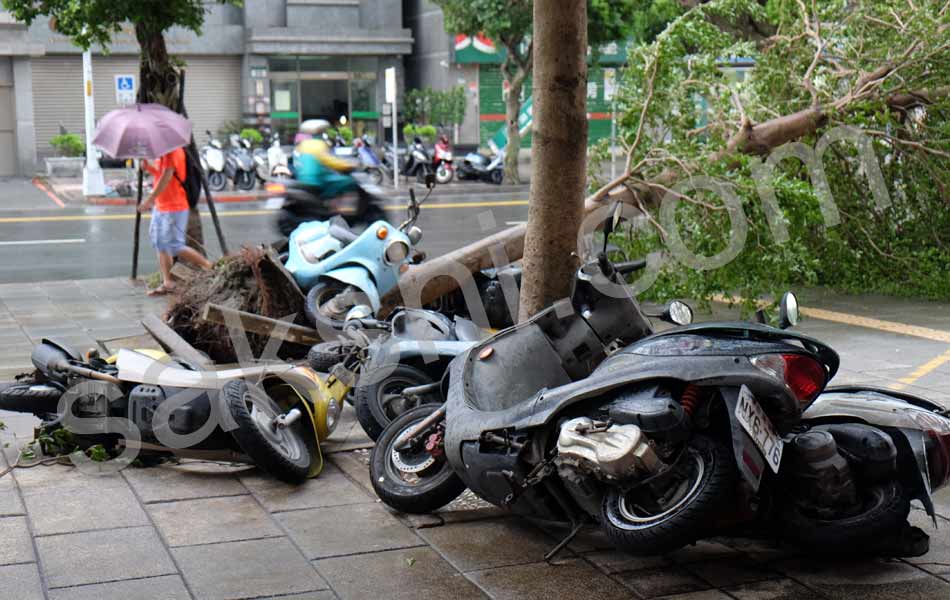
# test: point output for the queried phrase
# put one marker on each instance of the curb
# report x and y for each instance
(41, 185)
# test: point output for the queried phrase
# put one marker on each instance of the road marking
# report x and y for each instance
(44, 242)
(252, 213)
(927, 333)
(42, 186)
(514, 223)
(922, 371)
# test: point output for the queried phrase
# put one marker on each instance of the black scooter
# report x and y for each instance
(584, 414)
(300, 203)
(418, 162)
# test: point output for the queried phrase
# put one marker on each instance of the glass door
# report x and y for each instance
(285, 108)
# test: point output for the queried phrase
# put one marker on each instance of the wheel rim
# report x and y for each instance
(443, 174)
(637, 516)
(410, 468)
(263, 412)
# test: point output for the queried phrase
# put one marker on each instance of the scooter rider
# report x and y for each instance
(315, 164)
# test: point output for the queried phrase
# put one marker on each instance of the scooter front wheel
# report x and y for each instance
(286, 451)
(412, 479)
(328, 302)
(217, 181)
(245, 180)
(444, 174)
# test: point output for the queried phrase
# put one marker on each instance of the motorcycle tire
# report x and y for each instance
(287, 454)
(321, 293)
(434, 490)
(327, 355)
(31, 398)
(714, 470)
(884, 513)
(245, 180)
(217, 181)
(444, 175)
(497, 176)
(371, 400)
(375, 176)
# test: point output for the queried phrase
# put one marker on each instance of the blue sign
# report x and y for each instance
(124, 83)
(125, 90)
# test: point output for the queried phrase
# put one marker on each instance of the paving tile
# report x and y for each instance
(866, 579)
(102, 556)
(63, 478)
(10, 503)
(937, 561)
(650, 583)
(210, 520)
(16, 545)
(588, 539)
(487, 544)
(320, 595)
(411, 574)
(703, 551)
(704, 595)
(84, 509)
(21, 582)
(331, 488)
(776, 589)
(339, 530)
(167, 587)
(356, 466)
(612, 561)
(247, 569)
(564, 580)
(731, 571)
(185, 482)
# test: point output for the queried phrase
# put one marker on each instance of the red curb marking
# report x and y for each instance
(41, 186)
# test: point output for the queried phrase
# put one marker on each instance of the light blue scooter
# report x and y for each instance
(341, 269)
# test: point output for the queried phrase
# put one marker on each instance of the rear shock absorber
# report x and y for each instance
(690, 399)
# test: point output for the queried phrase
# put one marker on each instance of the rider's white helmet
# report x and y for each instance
(315, 126)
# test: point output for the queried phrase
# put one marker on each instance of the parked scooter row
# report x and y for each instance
(240, 164)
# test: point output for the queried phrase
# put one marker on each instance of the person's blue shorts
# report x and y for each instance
(167, 231)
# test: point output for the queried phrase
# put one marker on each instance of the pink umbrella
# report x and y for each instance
(147, 131)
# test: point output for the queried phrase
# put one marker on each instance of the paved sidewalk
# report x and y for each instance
(206, 531)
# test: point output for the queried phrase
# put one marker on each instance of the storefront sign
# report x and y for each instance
(391, 85)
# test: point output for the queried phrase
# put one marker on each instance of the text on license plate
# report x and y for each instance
(757, 424)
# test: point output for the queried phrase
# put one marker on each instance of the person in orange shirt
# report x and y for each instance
(169, 205)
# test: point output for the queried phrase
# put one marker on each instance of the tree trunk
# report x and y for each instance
(512, 111)
(558, 152)
(159, 84)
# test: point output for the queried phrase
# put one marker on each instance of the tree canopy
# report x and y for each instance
(89, 22)
(863, 83)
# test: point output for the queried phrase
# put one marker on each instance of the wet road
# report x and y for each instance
(46, 245)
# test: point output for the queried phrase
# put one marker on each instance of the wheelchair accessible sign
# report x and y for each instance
(125, 90)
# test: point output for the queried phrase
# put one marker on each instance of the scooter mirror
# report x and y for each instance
(788, 314)
(415, 235)
(678, 312)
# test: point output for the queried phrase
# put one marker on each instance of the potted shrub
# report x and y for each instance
(70, 156)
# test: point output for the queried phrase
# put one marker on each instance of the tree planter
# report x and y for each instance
(65, 166)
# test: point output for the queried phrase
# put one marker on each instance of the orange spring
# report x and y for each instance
(690, 399)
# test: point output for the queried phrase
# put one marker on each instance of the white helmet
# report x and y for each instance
(314, 126)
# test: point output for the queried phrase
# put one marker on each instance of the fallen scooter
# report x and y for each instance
(158, 405)
(672, 437)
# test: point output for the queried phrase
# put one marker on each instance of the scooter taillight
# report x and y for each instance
(803, 375)
(938, 458)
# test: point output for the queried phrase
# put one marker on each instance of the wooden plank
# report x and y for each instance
(173, 343)
(266, 326)
(183, 272)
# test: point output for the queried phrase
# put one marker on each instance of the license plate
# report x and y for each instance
(274, 203)
(757, 424)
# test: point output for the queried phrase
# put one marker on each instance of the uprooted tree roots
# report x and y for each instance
(252, 281)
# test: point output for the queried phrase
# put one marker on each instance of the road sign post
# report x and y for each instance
(93, 182)
(391, 100)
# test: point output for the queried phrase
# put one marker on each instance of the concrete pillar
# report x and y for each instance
(25, 126)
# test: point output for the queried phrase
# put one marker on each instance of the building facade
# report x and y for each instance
(270, 63)
(442, 60)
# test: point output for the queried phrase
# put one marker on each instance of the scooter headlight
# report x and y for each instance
(396, 252)
(333, 415)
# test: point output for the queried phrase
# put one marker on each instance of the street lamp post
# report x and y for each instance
(93, 183)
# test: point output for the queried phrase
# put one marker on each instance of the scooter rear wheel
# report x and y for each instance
(411, 481)
(285, 452)
(641, 523)
(245, 180)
